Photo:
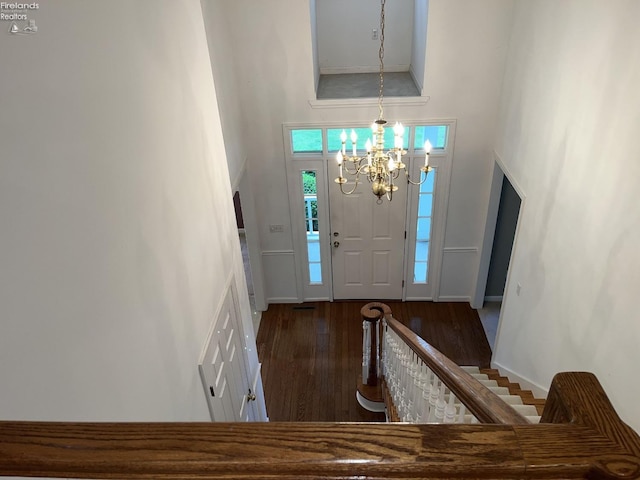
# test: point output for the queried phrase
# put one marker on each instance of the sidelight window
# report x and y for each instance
(423, 229)
(312, 226)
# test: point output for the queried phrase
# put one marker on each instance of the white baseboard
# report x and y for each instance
(362, 69)
(493, 298)
(271, 300)
(454, 298)
(415, 79)
(526, 384)
(317, 299)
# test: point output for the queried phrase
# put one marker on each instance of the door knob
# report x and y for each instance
(336, 244)
(251, 396)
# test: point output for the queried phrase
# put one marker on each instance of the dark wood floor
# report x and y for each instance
(311, 353)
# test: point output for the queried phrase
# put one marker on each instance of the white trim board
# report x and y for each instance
(363, 69)
(271, 300)
(460, 249)
(368, 102)
(493, 298)
(525, 383)
(267, 253)
(454, 298)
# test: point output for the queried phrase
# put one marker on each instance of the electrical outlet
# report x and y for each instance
(374, 34)
(518, 288)
(276, 228)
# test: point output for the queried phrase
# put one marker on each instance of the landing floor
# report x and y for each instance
(366, 85)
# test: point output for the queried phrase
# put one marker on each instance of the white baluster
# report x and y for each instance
(408, 415)
(461, 414)
(366, 348)
(426, 390)
(434, 393)
(440, 406)
(450, 410)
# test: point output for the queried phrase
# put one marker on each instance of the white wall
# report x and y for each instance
(466, 48)
(314, 42)
(344, 32)
(418, 43)
(224, 73)
(117, 222)
(569, 136)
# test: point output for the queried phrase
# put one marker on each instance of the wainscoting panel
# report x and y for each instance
(459, 265)
(281, 284)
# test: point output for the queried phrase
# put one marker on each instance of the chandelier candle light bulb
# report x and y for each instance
(354, 139)
(427, 150)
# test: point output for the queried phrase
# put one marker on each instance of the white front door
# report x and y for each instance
(222, 368)
(367, 241)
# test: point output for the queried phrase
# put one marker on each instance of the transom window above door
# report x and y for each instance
(307, 141)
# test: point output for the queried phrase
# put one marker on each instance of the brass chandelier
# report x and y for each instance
(382, 168)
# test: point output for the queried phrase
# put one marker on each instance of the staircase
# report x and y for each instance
(413, 382)
(522, 401)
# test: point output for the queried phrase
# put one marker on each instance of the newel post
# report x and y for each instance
(369, 392)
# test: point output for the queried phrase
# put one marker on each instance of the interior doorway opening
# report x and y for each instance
(247, 248)
(502, 222)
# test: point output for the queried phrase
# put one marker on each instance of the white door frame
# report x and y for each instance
(307, 291)
(250, 217)
(297, 162)
(498, 174)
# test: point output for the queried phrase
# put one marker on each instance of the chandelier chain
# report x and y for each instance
(381, 57)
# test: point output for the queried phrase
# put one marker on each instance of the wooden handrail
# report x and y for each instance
(485, 405)
(286, 451)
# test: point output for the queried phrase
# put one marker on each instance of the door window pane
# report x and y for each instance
(312, 226)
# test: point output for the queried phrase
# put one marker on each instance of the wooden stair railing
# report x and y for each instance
(485, 405)
(590, 441)
(580, 436)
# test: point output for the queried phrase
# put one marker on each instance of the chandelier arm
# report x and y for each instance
(350, 191)
(360, 168)
(356, 171)
(422, 170)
